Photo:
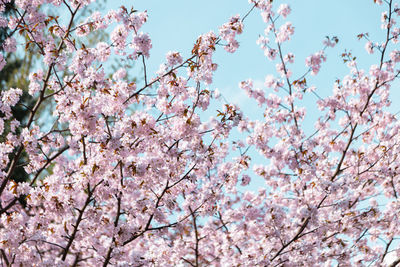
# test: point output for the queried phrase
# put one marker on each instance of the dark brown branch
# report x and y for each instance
(301, 229)
(248, 12)
(395, 263)
(183, 177)
(110, 249)
(227, 230)
(144, 70)
(76, 261)
(84, 150)
(146, 228)
(339, 166)
(197, 239)
(4, 256)
(386, 249)
(79, 220)
(156, 80)
(49, 160)
(188, 261)
(136, 235)
(108, 127)
(394, 188)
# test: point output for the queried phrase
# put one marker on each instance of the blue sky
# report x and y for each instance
(176, 24)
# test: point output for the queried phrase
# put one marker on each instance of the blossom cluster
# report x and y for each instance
(128, 172)
(229, 30)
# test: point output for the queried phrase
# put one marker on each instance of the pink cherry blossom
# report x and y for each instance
(369, 47)
(129, 171)
(314, 61)
(142, 44)
(284, 10)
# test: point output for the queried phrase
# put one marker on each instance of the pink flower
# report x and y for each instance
(10, 45)
(4, 22)
(174, 58)
(103, 51)
(369, 47)
(136, 20)
(314, 62)
(271, 53)
(142, 44)
(289, 58)
(284, 32)
(395, 56)
(118, 37)
(119, 74)
(228, 32)
(284, 10)
(330, 42)
(270, 81)
(245, 180)
(11, 96)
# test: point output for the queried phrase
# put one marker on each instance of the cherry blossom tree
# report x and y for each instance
(129, 173)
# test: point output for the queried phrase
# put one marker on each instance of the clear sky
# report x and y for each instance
(176, 24)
